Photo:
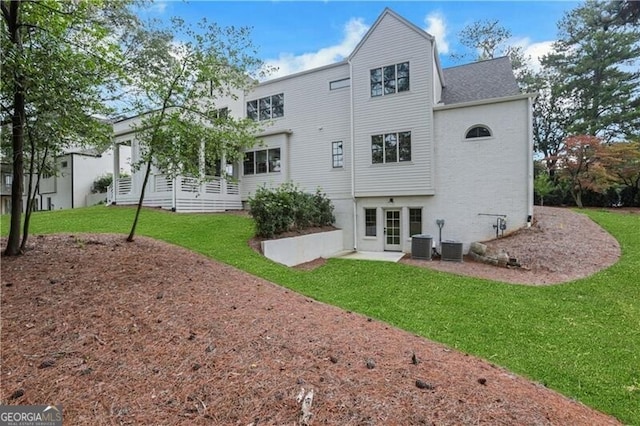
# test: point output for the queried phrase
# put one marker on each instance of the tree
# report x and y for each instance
(550, 120)
(579, 165)
(622, 162)
(598, 60)
(488, 40)
(543, 186)
(181, 74)
(60, 58)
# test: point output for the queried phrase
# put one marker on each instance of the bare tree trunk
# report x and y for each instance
(144, 186)
(31, 197)
(10, 14)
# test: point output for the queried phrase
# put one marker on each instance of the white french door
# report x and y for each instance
(392, 230)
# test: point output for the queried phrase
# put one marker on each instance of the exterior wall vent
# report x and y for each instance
(451, 251)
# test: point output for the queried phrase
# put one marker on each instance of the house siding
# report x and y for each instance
(393, 42)
(317, 117)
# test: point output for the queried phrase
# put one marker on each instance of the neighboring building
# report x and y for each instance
(395, 141)
(76, 171)
(6, 179)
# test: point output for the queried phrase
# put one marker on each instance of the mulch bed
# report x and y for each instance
(150, 333)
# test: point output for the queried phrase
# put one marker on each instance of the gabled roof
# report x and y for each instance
(481, 80)
(384, 13)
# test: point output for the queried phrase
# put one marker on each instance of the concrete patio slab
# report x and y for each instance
(385, 256)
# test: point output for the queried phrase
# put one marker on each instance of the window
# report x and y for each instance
(222, 113)
(391, 147)
(478, 132)
(337, 154)
(339, 84)
(415, 222)
(370, 224)
(389, 79)
(266, 108)
(263, 161)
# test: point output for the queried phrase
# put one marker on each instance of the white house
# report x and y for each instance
(397, 142)
(76, 171)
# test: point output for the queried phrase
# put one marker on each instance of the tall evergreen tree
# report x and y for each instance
(598, 59)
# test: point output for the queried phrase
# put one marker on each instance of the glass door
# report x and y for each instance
(392, 230)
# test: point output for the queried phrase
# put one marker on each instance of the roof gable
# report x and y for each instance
(386, 13)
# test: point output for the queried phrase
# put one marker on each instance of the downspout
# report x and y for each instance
(530, 161)
(353, 161)
(73, 195)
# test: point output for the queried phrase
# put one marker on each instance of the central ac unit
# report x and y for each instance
(451, 251)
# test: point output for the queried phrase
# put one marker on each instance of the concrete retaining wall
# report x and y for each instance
(296, 250)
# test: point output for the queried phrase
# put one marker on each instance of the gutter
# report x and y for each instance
(485, 101)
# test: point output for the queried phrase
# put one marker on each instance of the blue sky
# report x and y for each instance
(298, 35)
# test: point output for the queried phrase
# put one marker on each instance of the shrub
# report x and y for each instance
(287, 208)
(101, 184)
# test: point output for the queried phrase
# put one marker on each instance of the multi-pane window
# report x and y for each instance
(222, 113)
(262, 161)
(370, 223)
(415, 222)
(266, 108)
(337, 154)
(391, 147)
(478, 132)
(389, 79)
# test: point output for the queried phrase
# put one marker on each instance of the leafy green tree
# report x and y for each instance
(178, 75)
(598, 58)
(59, 59)
(543, 186)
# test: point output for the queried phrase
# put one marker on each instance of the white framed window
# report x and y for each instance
(339, 84)
(389, 79)
(261, 161)
(415, 221)
(266, 108)
(370, 222)
(391, 148)
(478, 131)
(337, 154)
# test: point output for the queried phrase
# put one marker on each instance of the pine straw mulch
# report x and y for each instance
(150, 333)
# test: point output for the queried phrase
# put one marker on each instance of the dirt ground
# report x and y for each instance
(150, 333)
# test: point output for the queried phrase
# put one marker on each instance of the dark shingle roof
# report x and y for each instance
(488, 79)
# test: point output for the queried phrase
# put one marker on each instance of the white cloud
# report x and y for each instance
(158, 6)
(437, 27)
(535, 51)
(288, 63)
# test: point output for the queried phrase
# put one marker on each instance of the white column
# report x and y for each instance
(116, 172)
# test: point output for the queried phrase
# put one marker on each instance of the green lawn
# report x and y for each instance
(582, 338)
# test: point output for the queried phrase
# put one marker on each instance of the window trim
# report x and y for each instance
(383, 141)
(337, 159)
(385, 82)
(419, 209)
(341, 83)
(271, 165)
(258, 109)
(367, 225)
(478, 126)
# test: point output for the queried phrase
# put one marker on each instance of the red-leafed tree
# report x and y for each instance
(579, 163)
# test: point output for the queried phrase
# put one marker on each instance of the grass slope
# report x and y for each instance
(580, 338)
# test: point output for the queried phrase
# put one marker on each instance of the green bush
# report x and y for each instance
(287, 208)
(101, 184)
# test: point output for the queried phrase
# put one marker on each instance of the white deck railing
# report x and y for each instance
(163, 183)
(124, 186)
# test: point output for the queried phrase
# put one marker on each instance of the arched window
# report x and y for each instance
(478, 131)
